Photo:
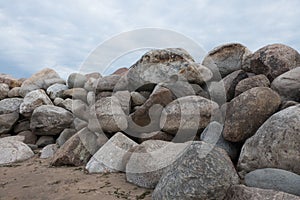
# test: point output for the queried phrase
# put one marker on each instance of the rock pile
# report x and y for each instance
(185, 129)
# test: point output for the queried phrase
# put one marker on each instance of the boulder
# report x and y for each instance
(201, 172)
(124, 98)
(272, 60)
(14, 92)
(50, 120)
(137, 99)
(22, 125)
(32, 100)
(275, 179)
(251, 82)
(56, 90)
(12, 151)
(241, 192)
(112, 156)
(288, 85)
(76, 80)
(107, 83)
(4, 89)
(10, 105)
(41, 80)
(30, 137)
(247, 112)
(10, 81)
(64, 136)
(226, 59)
(76, 93)
(7, 122)
(275, 144)
(48, 151)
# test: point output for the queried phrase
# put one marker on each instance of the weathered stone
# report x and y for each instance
(201, 172)
(76, 80)
(110, 115)
(111, 157)
(150, 160)
(124, 100)
(10, 81)
(276, 144)
(272, 60)
(22, 125)
(187, 115)
(226, 59)
(7, 122)
(251, 82)
(14, 92)
(195, 73)
(4, 89)
(79, 124)
(30, 137)
(13, 138)
(78, 149)
(50, 120)
(65, 135)
(32, 100)
(58, 101)
(248, 111)
(137, 99)
(288, 85)
(10, 105)
(48, 151)
(56, 90)
(107, 83)
(41, 80)
(241, 192)
(156, 135)
(44, 141)
(275, 179)
(75, 93)
(14, 151)
(91, 84)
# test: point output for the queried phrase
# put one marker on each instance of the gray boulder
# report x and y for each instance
(64, 136)
(275, 144)
(56, 90)
(137, 99)
(10, 105)
(201, 172)
(7, 122)
(14, 92)
(76, 80)
(251, 82)
(30, 137)
(124, 98)
(48, 151)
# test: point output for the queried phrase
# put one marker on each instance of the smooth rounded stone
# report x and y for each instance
(201, 172)
(56, 90)
(79, 124)
(78, 150)
(247, 112)
(4, 89)
(7, 122)
(57, 101)
(40, 80)
(44, 141)
(107, 83)
(286, 104)
(288, 85)
(10, 105)
(76, 80)
(157, 66)
(91, 98)
(149, 161)
(91, 84)
(50, 120)
(195, 73)
(48, 151)
(276, 144)
(137, 99)
(187, 115)
(112, 156)
(226, 59)
(275, 179)
(75, 93)
(12, 151)
(110, 115)
(251, 82)
(65, 135)
(272, 60)
(66, 104)
(14, 92)
(217, 92)
(124, 98)
(32, 100)
(241, 192)
(156, 135)
(212, 134)
(10, 81)
(30, 137)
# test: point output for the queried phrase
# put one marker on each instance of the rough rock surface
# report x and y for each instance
(201, 172)
(9, 80)
(276, 144)
(10, 105)
(272, 60)
(64, 136)
(251, 82)
(14, 92)
(248, 111)
(48, 151)
(56, 90)
(76, 80)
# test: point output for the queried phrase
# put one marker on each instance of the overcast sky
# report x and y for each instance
(60, 34)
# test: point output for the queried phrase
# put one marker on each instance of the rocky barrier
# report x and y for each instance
(228, 128)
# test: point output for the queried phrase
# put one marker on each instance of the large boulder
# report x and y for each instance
(241, 192)
(272, 60)
(201, 172)
(13, 151)
(32, 100)
(248, 111)
(275, 179)
(288, 85)
(50, 120)
(275, 144)
(251, 82)
(7, 122)
(150, 160)
(187, 115)
(41, 80)
(226, 59)
(10, 105)
(78, 149)
(112, 156)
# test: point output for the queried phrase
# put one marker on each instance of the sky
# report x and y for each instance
(64, 34)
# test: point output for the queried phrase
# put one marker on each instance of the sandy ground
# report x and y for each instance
(35, 179)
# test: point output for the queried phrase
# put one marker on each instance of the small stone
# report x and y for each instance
(48, 151)
(44, 141)
(10, 105)
(7, 122)
(14, 92)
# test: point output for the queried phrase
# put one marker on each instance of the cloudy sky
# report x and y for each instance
(62, 34)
